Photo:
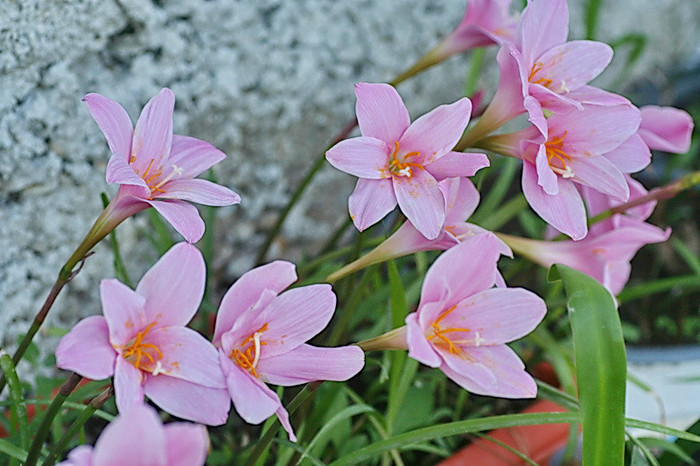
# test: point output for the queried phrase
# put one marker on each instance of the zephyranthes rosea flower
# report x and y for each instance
(138, 437)
(261, 335)
(142, 340)
(156, 168)
(400, 162)
(666, 128)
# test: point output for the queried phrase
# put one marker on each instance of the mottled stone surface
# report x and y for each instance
(269, 82)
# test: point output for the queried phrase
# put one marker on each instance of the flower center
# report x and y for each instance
(143, 356)
(536, 68)
(153, 179)
(398, 165)
(441, 336)
(557, 157)
(247, 355)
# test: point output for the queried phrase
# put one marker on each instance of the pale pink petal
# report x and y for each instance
(186, 444)
(283, 416)
(189, 400)
(457, 164)
(543, 25)
(253, 400)
(461, 200)
(461, 271)
(364, 157)
(436, 133)
(595, 130)
(380, 112)
(124, 311)
(79, 456)
(135, 437)
(507, 103)
(596, 96)
(496, 316)
(616, 275)
(182, 216)
(631, 156)
(249, 322)
(174, 286)
(490, 370)
(199, 191)
(535, 112)
(419, 348)
(421, 200)
(600, 174)
(564, 211)
(128, 385)
(86, 349)
(246, 291)
(154, 132)
(573, 64)
(546, 178)
(114, 123)
(666, 128)
(637, 190)
(371, 201)
(193, 155)
(307, 363)
(119, 171)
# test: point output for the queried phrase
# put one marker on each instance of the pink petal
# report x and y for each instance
(457, 164)
(666, 128)
(128, 385)
(593, 95)
(86, 349)
(253, 400)
(174, 286)
(460, 272)
(631, 156)
(421, 200)
(564, 211)
(507, 103)
(79, 456)
(245, 292)
(247, 324)
(364, 157)
(124, 312)
(193, 156)
(189, 400)
(186, 444)
(461, 198)
(600, 174)
(199, 191)
(182, 216)
(380, 112)
(496, 316)
(436, 133)
(543, 25)
(573, 64)
(546, 178)
(154, 132)
(308, 363)
(419, 348)
(135, 437)
(114, 123)
(490, 370)
(371, 201)
(119, 171)
(615, 276)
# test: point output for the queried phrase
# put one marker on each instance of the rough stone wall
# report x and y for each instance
(268, 81)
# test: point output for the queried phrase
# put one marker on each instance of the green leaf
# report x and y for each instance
(331, 423)
(601, 366)
(12, 450)
(455, 428)
(685, 435)
(667, 446)
(688, 446)
(18, 407)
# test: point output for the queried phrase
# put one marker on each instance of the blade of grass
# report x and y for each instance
(668, 447)
(505, 213)
(505, 446)
(12, 450)
(686, 254)
(17, 408)
(648, 455)
(690, 282)
(654, 427)
(592, 15)
(688, 446)
(498, 191)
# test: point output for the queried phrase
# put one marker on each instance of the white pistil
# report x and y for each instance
(256, 342)
(158, 369)
(176, 171)
(477, 339)
(405, 172)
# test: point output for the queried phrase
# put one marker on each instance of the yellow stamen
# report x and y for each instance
(557, 158)
(398, 165)
(536, 68)
(247, 354)
(138, 349)
(440, 333)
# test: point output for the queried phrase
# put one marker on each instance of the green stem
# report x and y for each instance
(18, 407)
(51, 412)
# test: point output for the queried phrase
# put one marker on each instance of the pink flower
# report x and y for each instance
(138, 437)
(261, 335)
(462, 325)
(156, 168)
(142, 340)
(666, 128)
(400, 162)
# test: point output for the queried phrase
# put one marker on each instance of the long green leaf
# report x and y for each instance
(455, 428)
(601, 366)
(13, 451)
(331, 423)
(638, 424)
(18, 407)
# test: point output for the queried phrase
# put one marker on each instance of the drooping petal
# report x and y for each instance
(128, 385)
(182, 216)
(666, 128)
(490, 370)
(193, 155)
(600, 174)
(543, 25)
(461, 200)
(199, 191)
(253, 400)
(124, 311)
(189, 400)
(154, 132)
(631, 156)
(86, 349)
(615, 276)
(135, 437)
(308, 363)
(546, 178)
(457, 164)
(174, 286)
(186, 444)
(421, 200)
(119, 171)
(114, 123)
(419, 348)
(371, 201)
(564, 211)
(364, 157)
(575, 63)
(436, 133)
(380, 112)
